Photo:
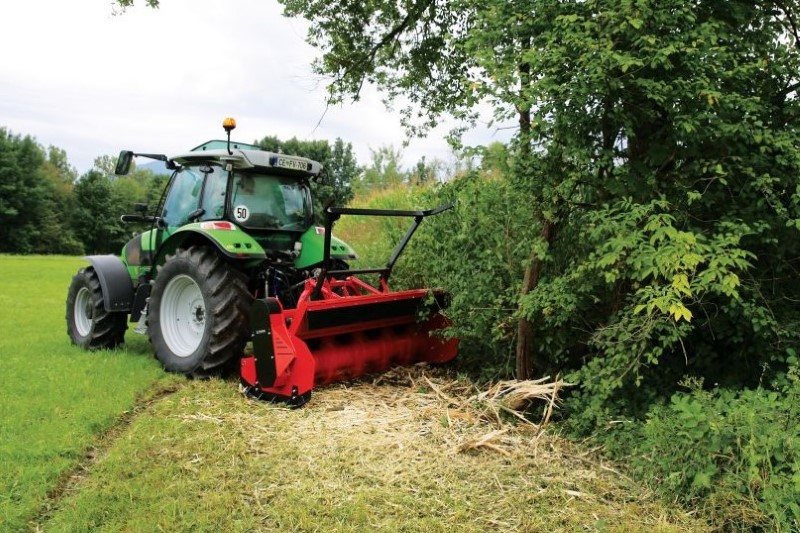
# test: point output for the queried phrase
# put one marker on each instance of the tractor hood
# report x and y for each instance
(313, 241)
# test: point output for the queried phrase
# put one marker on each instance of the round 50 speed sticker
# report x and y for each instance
(241, 213)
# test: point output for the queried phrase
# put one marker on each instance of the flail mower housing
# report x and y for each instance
(343, 327)
(231, 255)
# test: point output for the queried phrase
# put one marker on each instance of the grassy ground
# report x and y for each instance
(55, 399)
(398, 456)
(107, 442)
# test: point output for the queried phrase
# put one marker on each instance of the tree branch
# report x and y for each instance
(411, 17)
(792, 23)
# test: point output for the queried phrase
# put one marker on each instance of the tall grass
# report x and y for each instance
(374, 238)
(54, 397)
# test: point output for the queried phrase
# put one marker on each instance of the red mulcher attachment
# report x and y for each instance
(343, 327)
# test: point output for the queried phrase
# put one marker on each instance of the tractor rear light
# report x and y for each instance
(227, 226)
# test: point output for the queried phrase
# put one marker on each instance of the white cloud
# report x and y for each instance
(75, 76)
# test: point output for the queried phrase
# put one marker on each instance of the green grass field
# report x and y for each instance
(106, 441)
(55, 399)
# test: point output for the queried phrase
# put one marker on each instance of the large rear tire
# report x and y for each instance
(198, 317)
(89, 325)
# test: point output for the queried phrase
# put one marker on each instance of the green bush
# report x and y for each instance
(476, 251)
(734, 454)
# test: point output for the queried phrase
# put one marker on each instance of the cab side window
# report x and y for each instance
(183, 198)
(214, 194)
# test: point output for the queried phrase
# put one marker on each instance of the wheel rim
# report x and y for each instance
(182, 315)
(82, 312)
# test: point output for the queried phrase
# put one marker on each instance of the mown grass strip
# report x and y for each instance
(54, 398)
(359, 457)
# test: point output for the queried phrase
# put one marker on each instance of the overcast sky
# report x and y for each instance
(74, 75)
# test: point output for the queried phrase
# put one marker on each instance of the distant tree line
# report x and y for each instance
(46, 207)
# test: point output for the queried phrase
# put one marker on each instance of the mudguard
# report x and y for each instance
(115, 281)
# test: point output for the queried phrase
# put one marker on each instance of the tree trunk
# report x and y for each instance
(526, 330)
(526, 365)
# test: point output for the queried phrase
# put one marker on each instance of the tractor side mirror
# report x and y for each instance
(124, 163)
(140, 216)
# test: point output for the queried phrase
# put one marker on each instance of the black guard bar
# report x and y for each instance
(332, 214)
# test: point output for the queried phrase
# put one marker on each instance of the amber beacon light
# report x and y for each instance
(228, 124)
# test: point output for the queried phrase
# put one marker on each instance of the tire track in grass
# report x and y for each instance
(70, 480)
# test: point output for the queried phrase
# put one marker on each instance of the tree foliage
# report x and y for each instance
(46, 208)
(383, 171)
(675, 127)
(35, 187)
(96, 218)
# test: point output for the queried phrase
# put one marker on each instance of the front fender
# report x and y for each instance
(115, 282)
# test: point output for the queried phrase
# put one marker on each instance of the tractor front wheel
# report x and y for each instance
(198, 317)
(89, 325)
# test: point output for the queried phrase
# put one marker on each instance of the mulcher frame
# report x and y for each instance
(343, 327)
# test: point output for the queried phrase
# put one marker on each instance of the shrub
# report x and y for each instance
(735, 454)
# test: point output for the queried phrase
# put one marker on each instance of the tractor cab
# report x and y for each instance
(252, 189)
(265, 194)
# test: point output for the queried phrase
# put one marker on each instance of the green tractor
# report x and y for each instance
(232, 256)
(235, 222)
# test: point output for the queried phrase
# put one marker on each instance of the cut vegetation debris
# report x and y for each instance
(414, 450)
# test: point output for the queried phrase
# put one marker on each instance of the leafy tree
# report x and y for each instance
(423, 172)
(668, 175)
(496, 160)
(56, 233)
(105, 164)
(97, 211)
(384, 171)
(34, 194)
(138, 186)
(342, 171)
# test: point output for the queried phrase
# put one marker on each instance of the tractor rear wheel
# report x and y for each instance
(198, 317)
(89, 325)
